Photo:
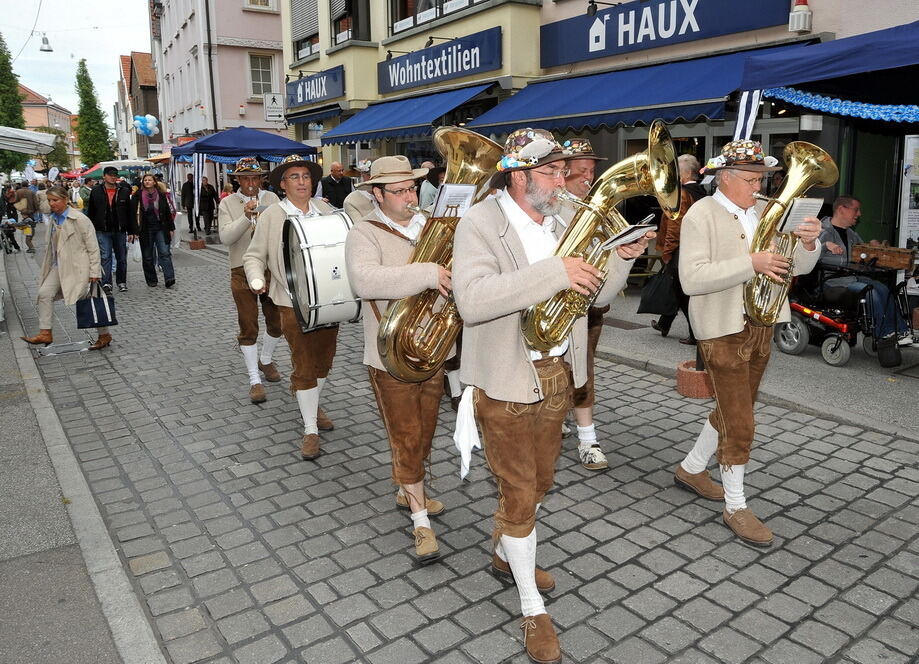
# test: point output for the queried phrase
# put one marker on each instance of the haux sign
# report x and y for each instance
(473, 54)
(635, 26)
(323, 86)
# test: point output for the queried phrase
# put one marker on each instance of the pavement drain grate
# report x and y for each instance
(63, 349)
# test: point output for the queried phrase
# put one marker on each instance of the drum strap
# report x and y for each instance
(383, 227)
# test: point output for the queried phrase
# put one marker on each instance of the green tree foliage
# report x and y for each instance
(58, 156)
(94, 136)
(10, 109)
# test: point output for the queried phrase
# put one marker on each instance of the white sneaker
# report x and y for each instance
(592, 458)
(905, 341)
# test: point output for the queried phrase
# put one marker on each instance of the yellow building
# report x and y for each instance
(371, 78)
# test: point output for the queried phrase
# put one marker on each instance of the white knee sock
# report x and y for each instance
(420, 519)
(587, 436)
(456, 388)
(250, 355)
(269, 343)
(732, 481)
(308, 400)
(521, 556)
(700, 454)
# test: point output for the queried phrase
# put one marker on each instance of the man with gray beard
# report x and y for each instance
(503, 263)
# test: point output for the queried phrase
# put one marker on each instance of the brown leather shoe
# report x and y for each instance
(747, 527)
(544, 581)
(103, 341)
(540, 640)
(309, 449)
(426, 549)
(700, 483)
(434, 507)
(257, 393)
(323, 423)
(270, 371)
(43, 337)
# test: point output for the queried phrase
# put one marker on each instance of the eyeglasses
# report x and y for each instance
(400, 192)
(753, 182)
(856, 208)
(296, 177)
(554, 172)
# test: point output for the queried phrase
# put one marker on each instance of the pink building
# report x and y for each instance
(214, 63)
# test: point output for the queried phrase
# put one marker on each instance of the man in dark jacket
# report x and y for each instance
(335, 187)
(109, 209)
(188, 202)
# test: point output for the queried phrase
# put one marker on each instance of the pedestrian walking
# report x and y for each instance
(208, 201)
(188, 203)
(335, 187)
(110, 211)
(71, 264)
(153, 228)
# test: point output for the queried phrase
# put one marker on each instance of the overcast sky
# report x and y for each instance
(92, 29)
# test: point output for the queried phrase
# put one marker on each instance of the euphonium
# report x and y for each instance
(414, 338)
(808, 166)
(653, 172)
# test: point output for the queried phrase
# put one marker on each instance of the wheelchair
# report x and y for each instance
(832, 316)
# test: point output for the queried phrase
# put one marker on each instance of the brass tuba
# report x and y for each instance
(808, 166)
(414, 339)
(653, 172)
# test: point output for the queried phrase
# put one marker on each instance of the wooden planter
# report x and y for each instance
(691, 383)
(196, 244)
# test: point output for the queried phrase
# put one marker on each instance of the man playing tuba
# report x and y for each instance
(503, 263)
(377, 252)
(715, 262)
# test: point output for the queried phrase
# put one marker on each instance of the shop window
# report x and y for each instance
(260, 74)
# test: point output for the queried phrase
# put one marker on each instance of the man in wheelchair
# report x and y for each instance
(845, 284)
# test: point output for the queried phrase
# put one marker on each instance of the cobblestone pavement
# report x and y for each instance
(241, 552)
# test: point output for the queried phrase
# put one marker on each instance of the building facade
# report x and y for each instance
(39, 111)
(418, 63)
(214, 62)
(137, 95)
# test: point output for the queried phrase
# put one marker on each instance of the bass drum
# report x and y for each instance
(314, 263)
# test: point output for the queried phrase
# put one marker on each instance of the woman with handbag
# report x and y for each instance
(154, 226)
(70, 267)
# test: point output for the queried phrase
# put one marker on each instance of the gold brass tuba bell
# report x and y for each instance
(653, 172)
(808, 166)
(414, 338)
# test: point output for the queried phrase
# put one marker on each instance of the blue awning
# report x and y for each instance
(868, 53)
(404, 117)
(313, 116)
(685, 90)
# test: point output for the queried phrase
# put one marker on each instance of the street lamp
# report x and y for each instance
(592, 6)
(45, 46)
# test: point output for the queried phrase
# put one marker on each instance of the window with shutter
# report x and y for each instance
(304, 19)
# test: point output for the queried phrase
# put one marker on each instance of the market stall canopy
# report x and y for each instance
(403, 117)
(71, 175)
(684, 90)
(242, 142)
(125, 167)
(28, 142)
(871, 75)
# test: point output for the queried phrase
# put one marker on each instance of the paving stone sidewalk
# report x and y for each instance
(241, 552)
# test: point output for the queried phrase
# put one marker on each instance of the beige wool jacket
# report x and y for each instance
(77, 256)
(234, 227)
(493, 283)
(264, 252)
(378, 271)
(715, 264)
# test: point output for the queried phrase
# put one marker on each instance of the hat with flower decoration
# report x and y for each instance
(743, 155)
(580, 148)
(248, 166)
(525, 149)
(290, 162)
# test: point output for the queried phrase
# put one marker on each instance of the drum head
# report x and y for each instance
(314, 262)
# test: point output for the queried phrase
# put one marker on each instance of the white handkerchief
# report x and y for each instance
(466, 435)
